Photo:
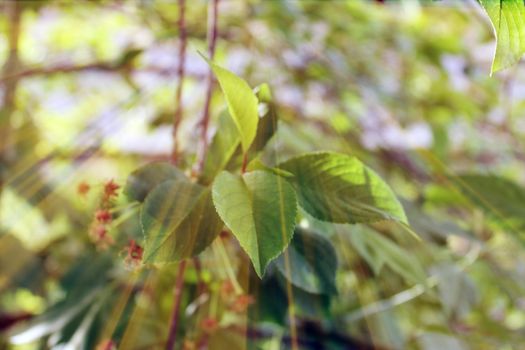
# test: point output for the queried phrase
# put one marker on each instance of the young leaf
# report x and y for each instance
(312, 263)
(508, 20)
(267, 126)
(178, 220)
(259, 208)
(222, 148)
(339, 188)
(145, 178)
(242, 104)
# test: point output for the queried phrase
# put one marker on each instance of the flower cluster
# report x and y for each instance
(99, 231)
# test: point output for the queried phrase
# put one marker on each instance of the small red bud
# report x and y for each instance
(227, 290)
(99, 235)
(209, 324)
(103, 216)
(242, 302)
(107, 344)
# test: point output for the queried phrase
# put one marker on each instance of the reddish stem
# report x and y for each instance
(205, 120)
(179, 284)
(172, 335)
(244, 162)
(177, 117)
(212, 40)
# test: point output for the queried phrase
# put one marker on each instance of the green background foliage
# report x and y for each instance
(362, 185)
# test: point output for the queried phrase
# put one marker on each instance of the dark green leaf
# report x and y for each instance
(178, 220)
(144, 179)
(312, 263)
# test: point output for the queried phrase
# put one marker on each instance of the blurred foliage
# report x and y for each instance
(87, 96)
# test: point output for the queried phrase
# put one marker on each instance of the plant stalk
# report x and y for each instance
(177, 117)
(213, 12)
(172, 335)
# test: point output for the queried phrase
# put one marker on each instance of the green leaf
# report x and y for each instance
(339, 188)
(178, 220)
(501, 199)
(431, 227)
(378, 251)
(242, 104)
(259, 208)
(222, 148)
(144, 179)
(312, 263)
(266, 128)
(457, 290)
(508, 20)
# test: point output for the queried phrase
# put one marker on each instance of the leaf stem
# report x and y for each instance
(244, 162)
(172, 335)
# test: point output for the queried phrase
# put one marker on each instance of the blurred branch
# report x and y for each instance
(13, 10)
(31, 72)
(405, 162)
(103, 66)
(387, 304)
(213, 12)
(177, 117)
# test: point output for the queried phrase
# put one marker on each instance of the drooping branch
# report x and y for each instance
(213, 12)
(177, 117)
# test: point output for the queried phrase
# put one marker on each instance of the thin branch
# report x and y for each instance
(177, 117)
(31, 72)
(172, 335)
(103, 66)
(205, 121)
